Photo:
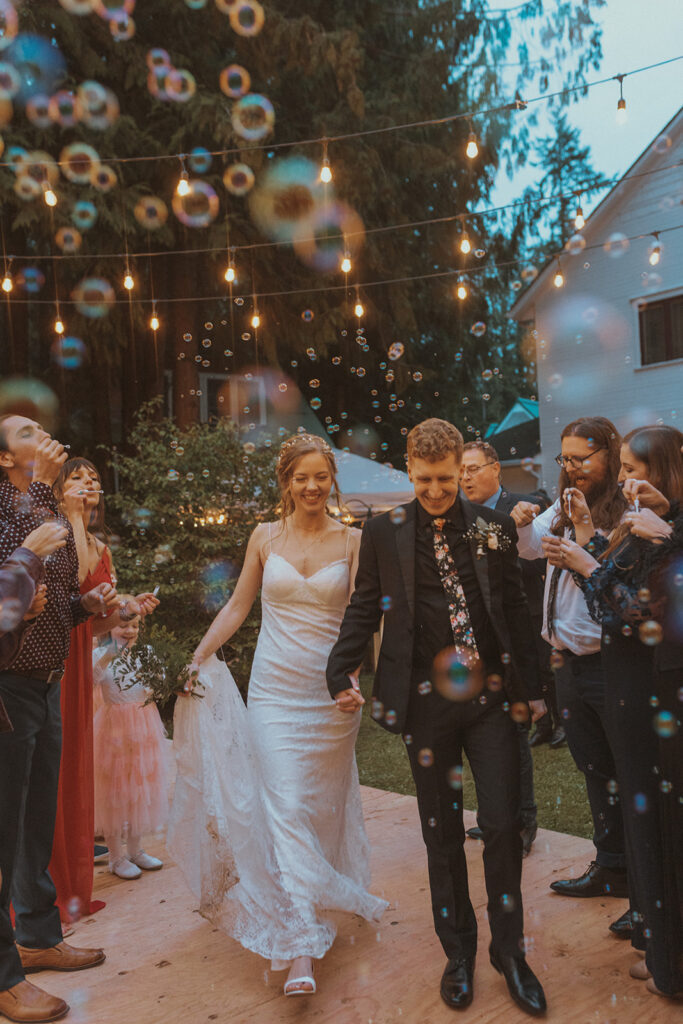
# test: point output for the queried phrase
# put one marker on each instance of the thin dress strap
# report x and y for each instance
(270, 537)
(348, 537)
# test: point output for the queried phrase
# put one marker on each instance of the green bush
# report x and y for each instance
(186, 505)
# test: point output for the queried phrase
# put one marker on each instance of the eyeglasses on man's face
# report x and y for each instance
(575, 461)
(473, 470)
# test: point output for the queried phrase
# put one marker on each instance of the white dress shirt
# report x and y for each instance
(573, 628)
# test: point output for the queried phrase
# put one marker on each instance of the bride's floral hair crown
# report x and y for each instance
(291, 451)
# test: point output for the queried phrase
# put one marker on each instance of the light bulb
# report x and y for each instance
(255, 321)
(472, 149)
(50, 197)
(230, 274)
(461, 290)
(59, 326)
(154, 322)
(326, 171)
(128, 282)
(654, 257)
(7, 284)
(346, 265)
(621, 111)
(465, 244)
(579, 220)
(359, 309)
(183, 186)
(558, 280)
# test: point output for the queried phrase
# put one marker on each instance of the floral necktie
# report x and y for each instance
(463, 634)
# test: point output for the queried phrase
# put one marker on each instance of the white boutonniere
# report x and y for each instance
(487, 535)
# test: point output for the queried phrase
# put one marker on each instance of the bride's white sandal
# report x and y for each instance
(304, 979)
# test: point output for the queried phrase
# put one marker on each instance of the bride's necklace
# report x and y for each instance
(319, 535)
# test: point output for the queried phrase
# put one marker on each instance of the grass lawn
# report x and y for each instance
(560, 790)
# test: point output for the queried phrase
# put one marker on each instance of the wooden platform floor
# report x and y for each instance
(167, 964)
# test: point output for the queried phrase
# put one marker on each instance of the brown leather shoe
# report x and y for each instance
(59, 958)
(28, 1003)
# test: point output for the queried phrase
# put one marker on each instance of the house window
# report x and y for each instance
(242, 398)
(661, 330)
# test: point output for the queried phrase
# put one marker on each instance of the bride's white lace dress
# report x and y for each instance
(267, 823)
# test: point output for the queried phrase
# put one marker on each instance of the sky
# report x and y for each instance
(635, 33)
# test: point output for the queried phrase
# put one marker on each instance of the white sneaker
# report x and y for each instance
(124, 868)
(146, 862)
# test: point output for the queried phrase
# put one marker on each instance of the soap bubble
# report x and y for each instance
(396, 350)
(96, 105)
(235, 81)
(9, 23)
(30, 280)
(662, 143)
(78, 161)
(180, 85)
(455, 778)
(478, 329)
(398, 515)
(217, 580)
(158, 58)
(519, 712)
(332, 230)
(575, 245)
(650, 633)
(62, 108)
(77, 6)
(425, 757)
(108, 9)
(417, 376)
(247, 17)
(103, 178)
(199, 160)
(151, 212)
(38, 111)
(122, 29)
(199, 207)
(93, 297)
(665, 724)
(40, 166)
(253, 117)
(67, 352)
(287, 194)
(238, 179)
(68, 240)
(316, 403)
(40, 65)
(487, 374)
(84, 214)
(616, 245)
(456, 676)
(25, 396)
(424, 688)
(314, 383)
(10, 82)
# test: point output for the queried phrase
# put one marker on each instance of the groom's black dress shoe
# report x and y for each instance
(623, 926)
(457, 983)
(522, 983)
(595, 881)
(475, 833)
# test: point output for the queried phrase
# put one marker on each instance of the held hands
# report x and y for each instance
(193, 671)
(351, 700)
(648, 525)
(49, 458)
(538, 709)
(524, 513)
(38, 603)
(574, 557)
(647, 495)
(101, 598)
(46, 539)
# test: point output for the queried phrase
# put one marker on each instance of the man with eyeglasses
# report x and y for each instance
(589, 507)
(480, 480)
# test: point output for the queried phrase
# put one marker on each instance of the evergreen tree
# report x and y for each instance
(328, 69)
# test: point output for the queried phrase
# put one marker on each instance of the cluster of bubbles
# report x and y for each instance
(117, 14)
(167, 82)
(291, 204)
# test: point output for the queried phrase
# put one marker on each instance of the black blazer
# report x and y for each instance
(385, 586)
(533, 569)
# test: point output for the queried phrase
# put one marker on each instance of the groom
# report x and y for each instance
(457, 649)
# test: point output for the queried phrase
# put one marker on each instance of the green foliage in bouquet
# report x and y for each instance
(159, 660)
(186, 505)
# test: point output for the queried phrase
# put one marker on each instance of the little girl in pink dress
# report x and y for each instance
(131, 775)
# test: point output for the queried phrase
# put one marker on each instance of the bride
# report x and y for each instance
(267, 823)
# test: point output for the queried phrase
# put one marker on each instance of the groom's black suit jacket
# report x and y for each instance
(385, 586)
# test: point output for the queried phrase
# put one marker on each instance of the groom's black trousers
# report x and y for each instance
(437, 733)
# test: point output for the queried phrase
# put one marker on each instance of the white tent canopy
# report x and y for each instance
(367, 485)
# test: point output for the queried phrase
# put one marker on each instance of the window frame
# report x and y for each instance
(640, 305)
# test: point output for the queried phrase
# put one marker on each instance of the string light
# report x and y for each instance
(346, 264)
(472, 149)
(49, 196)
(358, 308)
(465, 244)
(7, 283)
(59, 325)
(579, 219)
(230, 274)
(461, 289)
(621, 102)
(183, 186)
(655, 253)
(558, 279)
(325, 169)
(256, 320)
(128, 282)
(154, 322)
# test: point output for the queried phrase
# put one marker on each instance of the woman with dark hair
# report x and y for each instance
(628, 589)
(78, 490)
(267, 822)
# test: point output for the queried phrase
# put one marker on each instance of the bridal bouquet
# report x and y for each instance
(159, 661)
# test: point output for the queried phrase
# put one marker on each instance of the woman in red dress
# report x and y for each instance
(79, 491)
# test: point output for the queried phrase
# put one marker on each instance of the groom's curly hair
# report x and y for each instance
(434, 439)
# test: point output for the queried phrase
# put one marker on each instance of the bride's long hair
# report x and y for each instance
(291, 451)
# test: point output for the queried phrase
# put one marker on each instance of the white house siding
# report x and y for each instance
(587, 341)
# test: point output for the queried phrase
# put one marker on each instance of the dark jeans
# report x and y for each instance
(580, 684)
(438, 731)
(29, 775)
